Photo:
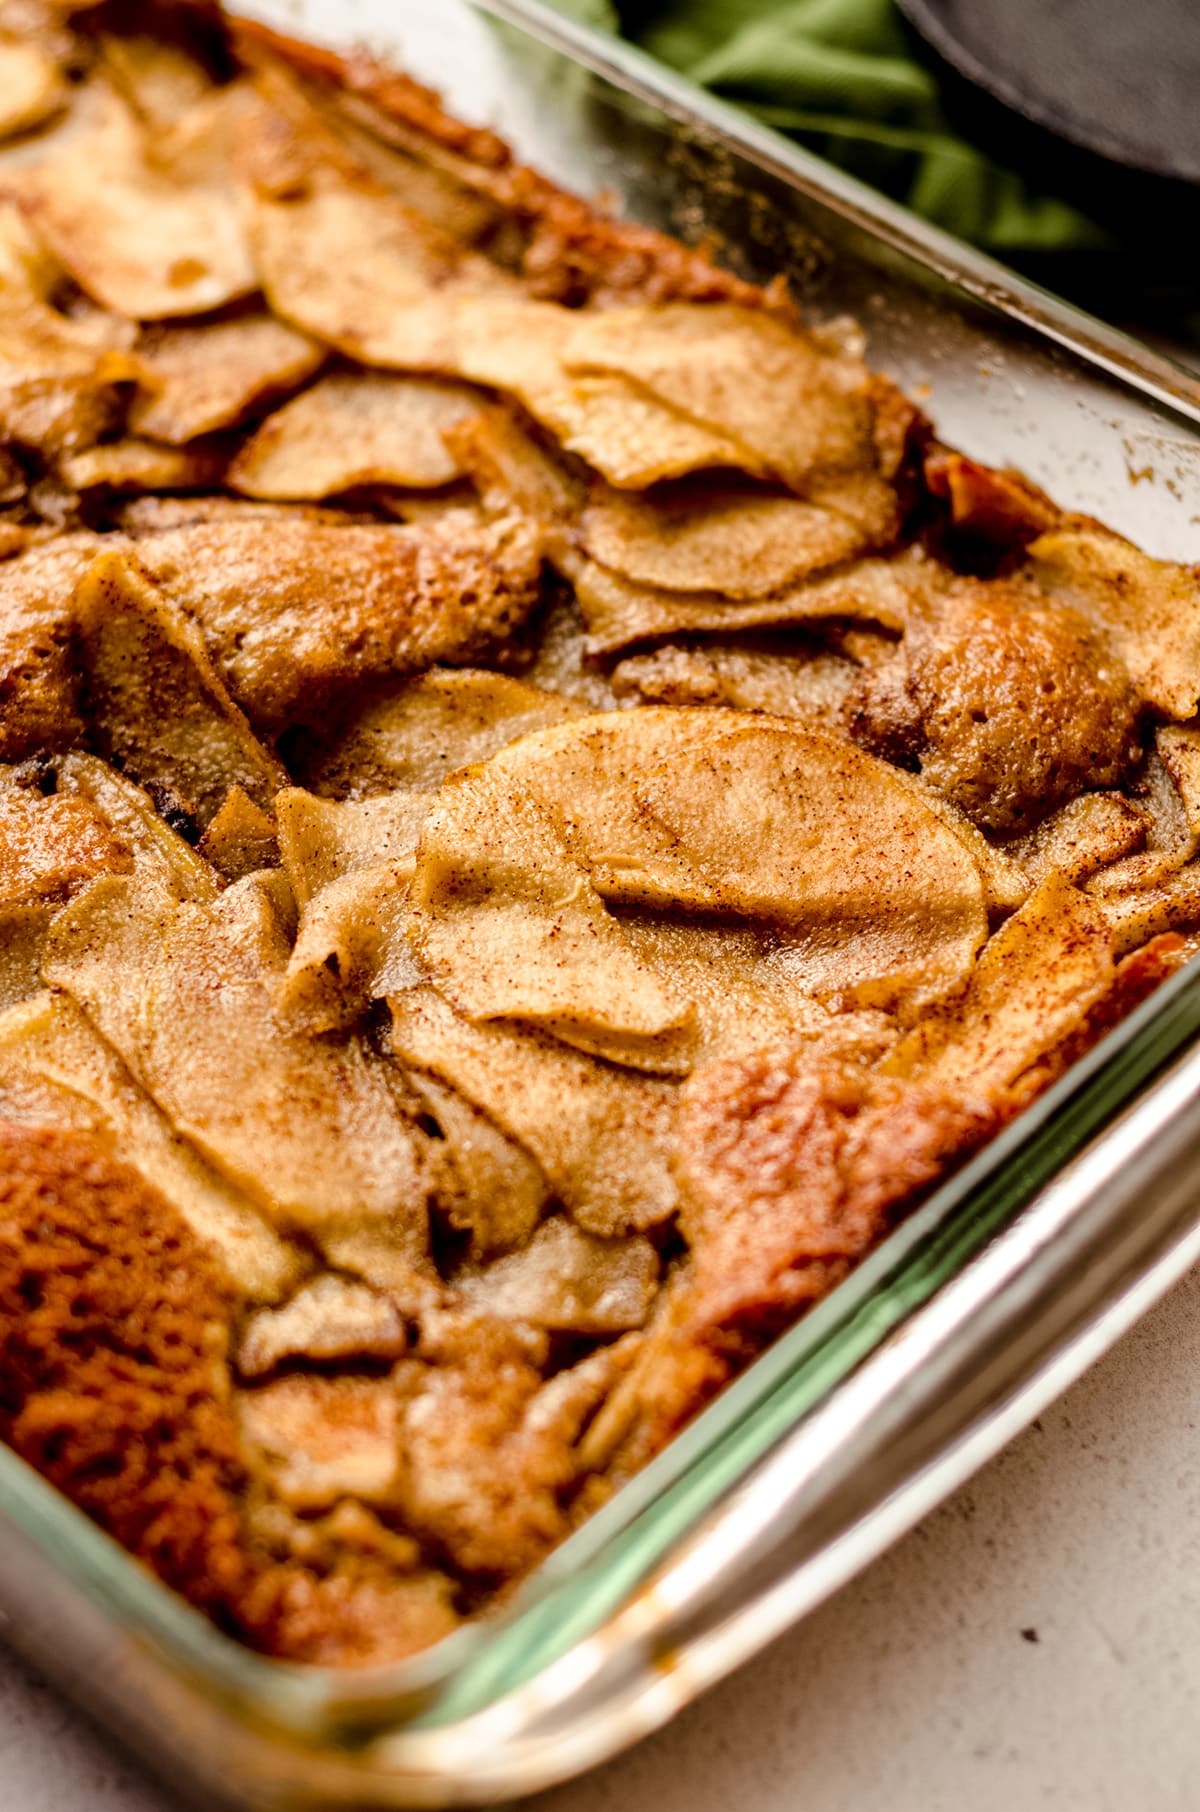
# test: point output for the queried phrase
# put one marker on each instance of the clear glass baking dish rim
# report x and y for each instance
(308, 1702)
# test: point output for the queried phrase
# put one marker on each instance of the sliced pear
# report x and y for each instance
(56, 1069)
(53, 845)
(352, 429)
(510, 470)
(569, 1281)
(1140, 913)
(328, 1318)
(1086, 834)
(161, 857)
(1179, 751)
(310, 1129)
(510, 927)
(1034, 984)
(421, 731)
(1005, 881)
(771, 821)
(337, 254)
(418, 170)
(601, 1135)
(138, 466)
(57, 373)
(582, 774)
(620, 611)
(159, 79)
(350, 866)
(713, 538)
(1170, 830)
(324, 840)
(201, 376)
(515, 345)
(1151, 608)
(324, 1439)
(148, 228)
(241, 838)
(744, 998)
(488, 1185)
(739, 372)
(32, 87)
(351, 948)
(158, 706)
(22, 937)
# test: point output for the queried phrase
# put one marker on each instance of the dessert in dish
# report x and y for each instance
(541, 810)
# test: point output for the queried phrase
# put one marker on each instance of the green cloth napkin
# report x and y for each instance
(840, 76)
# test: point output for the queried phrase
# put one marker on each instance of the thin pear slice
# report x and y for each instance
(350, 866)
(147, 224)
(489, 1186)
(1166, 803)
(569, 1281)
(1141, 913)
(619, 611)
(879, 895)
(324, 840)
(744, 999)
(337, 254)
(602, 1135)
(52, 846)
(321, 1440)
(582, 775)
(241, 838)
(415, 734)
(741, 544)
(136, 467)
(510, 470)
(352, 429)
(23, 930)
(310, 1129)
(742, 373)
(514, 345)
(161, 857)
(510, 927)
(1086, 834)
(1034, 984)
(32, 87)
(329, 1318)
(158, 705)
(55, 1069)
(198, 377)
(57, 373)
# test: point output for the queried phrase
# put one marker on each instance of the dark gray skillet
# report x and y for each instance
(1118, 77)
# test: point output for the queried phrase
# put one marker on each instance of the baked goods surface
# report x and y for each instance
(540, 811)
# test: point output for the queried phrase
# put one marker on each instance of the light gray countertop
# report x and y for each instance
(1034, 1643)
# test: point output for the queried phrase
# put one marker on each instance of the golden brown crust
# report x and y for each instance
(789, 1167)
(112, 1321)
(298, 614)
(1008, 703)
(572, 252)
(113, 1384)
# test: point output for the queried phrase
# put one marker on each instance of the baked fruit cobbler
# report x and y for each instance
(541, 810)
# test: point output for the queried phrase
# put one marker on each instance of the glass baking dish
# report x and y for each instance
(961, 1327)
